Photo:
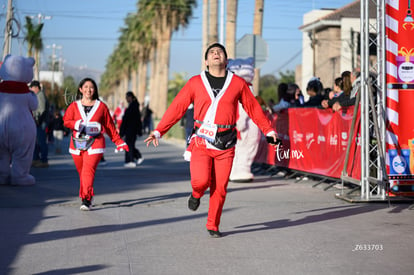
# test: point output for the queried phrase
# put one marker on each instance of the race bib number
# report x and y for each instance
(207, 132)
(93, 129)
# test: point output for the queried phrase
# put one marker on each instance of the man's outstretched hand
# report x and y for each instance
(151, 138)
(273, 140)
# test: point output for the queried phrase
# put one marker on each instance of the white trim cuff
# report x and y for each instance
(157, 134)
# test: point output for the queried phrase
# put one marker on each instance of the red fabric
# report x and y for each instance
(117, 116)
(211, 168)
(315, 141)
(195, 92)
(86, 166)
(102, 115)
(14, 87)
(400, 95)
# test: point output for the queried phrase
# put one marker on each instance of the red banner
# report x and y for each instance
(314, 141)
(400, 95)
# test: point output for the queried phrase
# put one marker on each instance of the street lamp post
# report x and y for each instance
(54, 47)
(39, 17)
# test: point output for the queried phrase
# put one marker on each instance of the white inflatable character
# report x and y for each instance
(249, 133)
(17, 126)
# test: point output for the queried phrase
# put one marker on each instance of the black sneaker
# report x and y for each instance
(86, 205)
(214, 234)
(193, 203)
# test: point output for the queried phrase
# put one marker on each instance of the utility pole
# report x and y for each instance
(40, 17)
(312, 37)
(8, 29)
(54, 47)
(222, 22)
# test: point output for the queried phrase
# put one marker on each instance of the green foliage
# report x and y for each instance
(268, 84)
(287, 77)
(175, 85)
(68, 91)
(268, 87)
(33, 36)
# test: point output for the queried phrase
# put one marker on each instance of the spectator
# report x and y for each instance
(284, 98)
(41, 116)
(118, 114)
(348, 78)
(337, 94)
(270, 103)
(267, 108)
(187, 122)
(314, 90)
(298, 99)
(147, 119)
(58, 131)
(131, 126)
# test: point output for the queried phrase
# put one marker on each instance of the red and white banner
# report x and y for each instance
(314, 141)
(400, 96)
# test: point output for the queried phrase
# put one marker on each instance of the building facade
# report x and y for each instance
(330, 43)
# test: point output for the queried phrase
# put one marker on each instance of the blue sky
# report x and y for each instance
(87, 31)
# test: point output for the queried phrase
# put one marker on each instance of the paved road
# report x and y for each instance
(141, 225)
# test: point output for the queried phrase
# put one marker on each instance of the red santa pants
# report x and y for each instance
(211, 168)
(86, 165)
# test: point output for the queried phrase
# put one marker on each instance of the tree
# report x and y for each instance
(257, 30)
(269, 83)
(212, 22)
(231, 23)
(268, 87)
(167, 16)
(204, 32)
(175, 85)
(210, 26)
(34, 42)
(141, 42)
(287, 77)
(145, 43)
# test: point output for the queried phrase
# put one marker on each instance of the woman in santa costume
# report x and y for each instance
(89, 118)
(215, 94)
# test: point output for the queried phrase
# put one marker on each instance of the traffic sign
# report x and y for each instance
(252, 45)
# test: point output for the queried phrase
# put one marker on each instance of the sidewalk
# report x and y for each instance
(140, 224)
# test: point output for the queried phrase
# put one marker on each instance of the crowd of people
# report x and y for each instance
(342, 94)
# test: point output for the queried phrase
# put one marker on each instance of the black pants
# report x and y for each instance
(133, 153)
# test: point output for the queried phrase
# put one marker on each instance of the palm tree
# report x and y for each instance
(167, 16)
(141, 42)
(213, 22)
(131, 58)
(34, 42)
(204, 32)
(231, 24)
(257, 30)
(210, 26)
(145, 41)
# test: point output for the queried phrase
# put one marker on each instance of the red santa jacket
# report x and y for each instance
(75, 115)
(220, 110)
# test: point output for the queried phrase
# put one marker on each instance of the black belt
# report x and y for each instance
(218, 125)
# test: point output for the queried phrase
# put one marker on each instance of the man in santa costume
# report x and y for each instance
(215, 94)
